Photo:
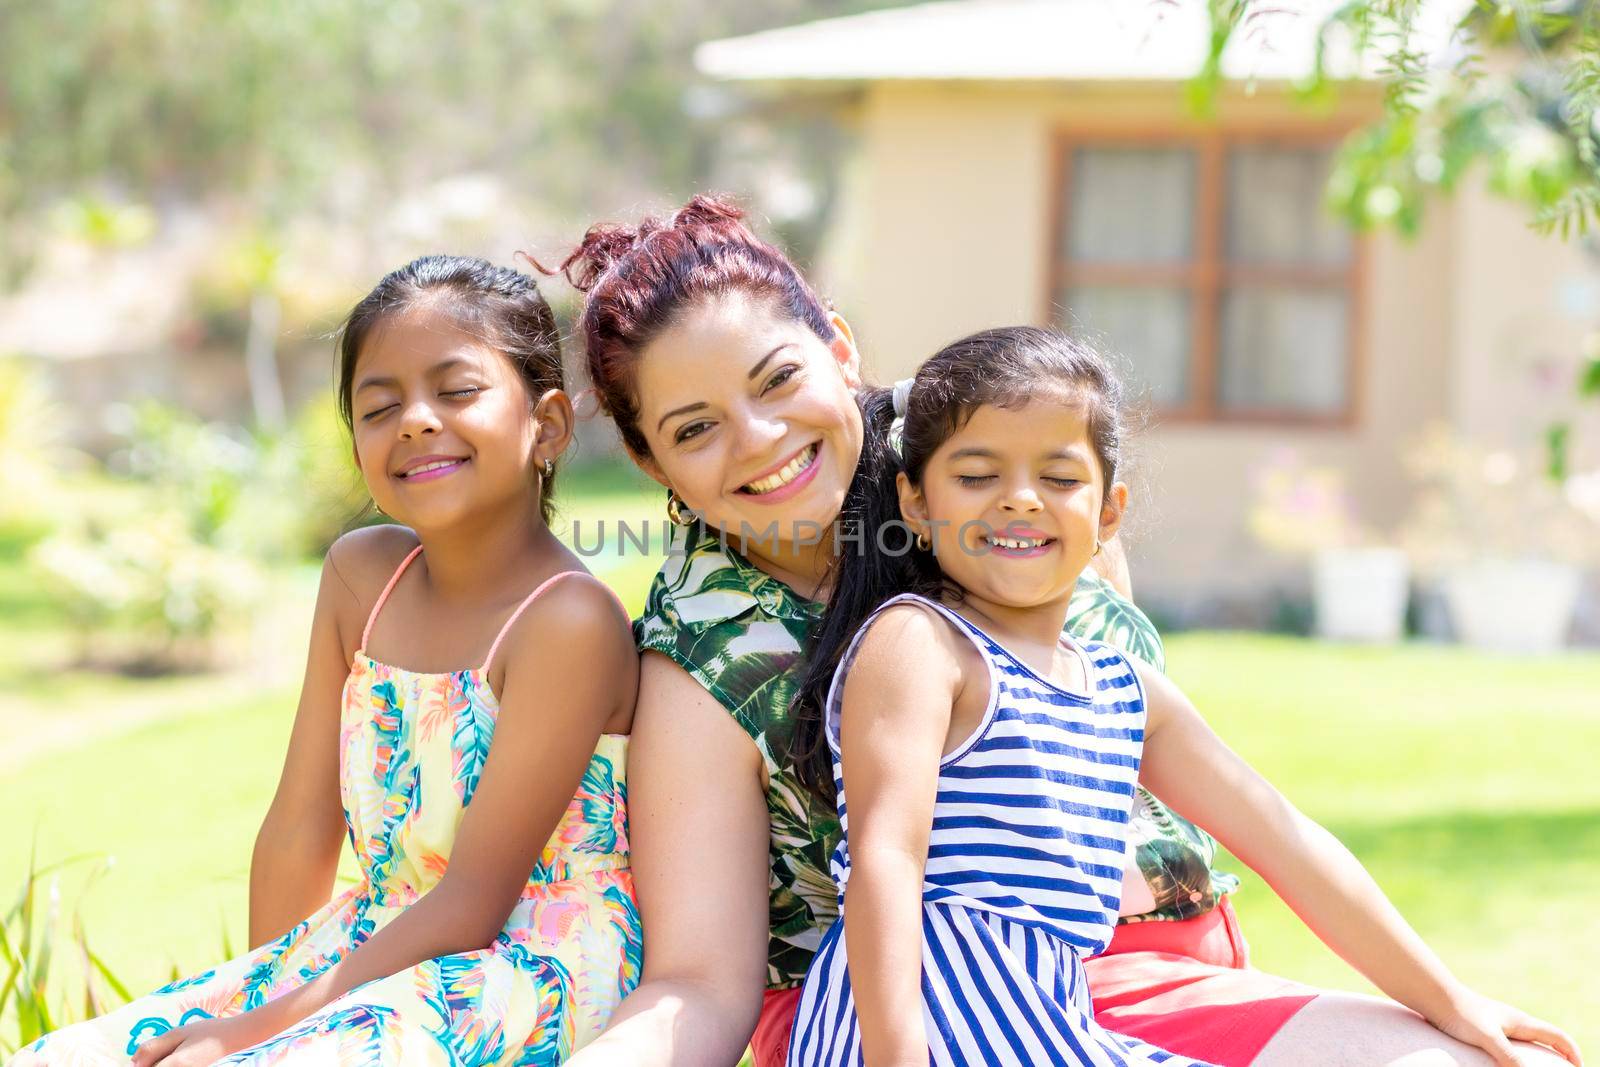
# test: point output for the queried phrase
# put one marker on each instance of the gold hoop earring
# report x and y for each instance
(924, 542)
(1097, 547)
(676, 511)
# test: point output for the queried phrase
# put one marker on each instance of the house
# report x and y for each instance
(1035, 161)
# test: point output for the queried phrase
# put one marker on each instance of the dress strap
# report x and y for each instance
(531, 597)
(366, 635)
(836, 686)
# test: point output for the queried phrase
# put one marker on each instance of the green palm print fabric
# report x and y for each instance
(742, 635)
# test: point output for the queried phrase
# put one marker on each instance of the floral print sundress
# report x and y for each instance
(411, 750)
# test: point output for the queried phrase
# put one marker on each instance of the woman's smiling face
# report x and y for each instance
(751, 419)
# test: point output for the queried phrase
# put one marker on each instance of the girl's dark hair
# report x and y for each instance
(1006, 368)
(502, 305)
(641, 280)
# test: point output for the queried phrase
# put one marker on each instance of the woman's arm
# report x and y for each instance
(1317, 876)
(699, 830)
(894, 722)
(297, 848)
(569, 666)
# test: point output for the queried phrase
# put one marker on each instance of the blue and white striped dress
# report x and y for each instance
(1023, 879)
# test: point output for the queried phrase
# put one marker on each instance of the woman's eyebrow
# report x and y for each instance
(696, 406)
(757, 368)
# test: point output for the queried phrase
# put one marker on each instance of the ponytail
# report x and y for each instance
(864, 576)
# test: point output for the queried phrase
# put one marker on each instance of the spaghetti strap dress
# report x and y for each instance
(1023, 876)
(412, 748)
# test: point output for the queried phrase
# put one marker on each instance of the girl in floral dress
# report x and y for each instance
(494, 920)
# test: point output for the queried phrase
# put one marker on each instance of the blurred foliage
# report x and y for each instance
(1520, 97)
(342, 107)
(174, 541)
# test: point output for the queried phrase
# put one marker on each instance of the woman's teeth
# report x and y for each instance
(791, 470)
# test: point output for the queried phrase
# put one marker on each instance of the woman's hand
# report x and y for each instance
(1490, 1025)
(206, 1042)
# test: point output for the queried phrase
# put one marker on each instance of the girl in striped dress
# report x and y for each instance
(990, 763)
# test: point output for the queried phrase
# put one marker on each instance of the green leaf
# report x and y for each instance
(1589, 379)
(1557, 440)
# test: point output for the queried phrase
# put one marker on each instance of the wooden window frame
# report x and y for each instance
(1208, 274)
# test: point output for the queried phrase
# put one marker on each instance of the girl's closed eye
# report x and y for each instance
(471, 390)
(376, 413)
(972, 481)
(1062, 481)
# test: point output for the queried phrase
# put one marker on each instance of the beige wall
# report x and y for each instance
(948, 232)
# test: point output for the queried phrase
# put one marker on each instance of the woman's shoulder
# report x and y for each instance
(1099, 613)
(738, 632)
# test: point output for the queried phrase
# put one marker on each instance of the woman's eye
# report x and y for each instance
(973, 480)
(1063, 483)
(371, 415)
(692, 430)
(782, 375)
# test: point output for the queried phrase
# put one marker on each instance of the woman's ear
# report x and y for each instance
(843, 347)
(1112, 509)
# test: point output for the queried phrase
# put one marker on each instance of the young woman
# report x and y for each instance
(734, 387)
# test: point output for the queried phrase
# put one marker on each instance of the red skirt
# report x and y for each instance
(1183, 986)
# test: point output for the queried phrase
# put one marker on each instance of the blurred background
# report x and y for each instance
(1342, 251)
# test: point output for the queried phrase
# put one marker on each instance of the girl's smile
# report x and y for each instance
(1023, 489)
(432, 404)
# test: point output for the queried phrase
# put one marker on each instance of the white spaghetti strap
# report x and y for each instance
(531, 597)
(366, 635)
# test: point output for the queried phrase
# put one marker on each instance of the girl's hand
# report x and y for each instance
(203, 1043)
(1489, 1025)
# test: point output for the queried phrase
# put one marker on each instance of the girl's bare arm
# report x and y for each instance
(894, 721)
(1188, 766)
(297, 849)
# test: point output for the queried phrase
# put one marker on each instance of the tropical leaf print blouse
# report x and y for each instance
(742, 634)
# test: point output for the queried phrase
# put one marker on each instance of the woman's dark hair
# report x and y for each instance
(641, 280)
(503, 306)
(1006, 368)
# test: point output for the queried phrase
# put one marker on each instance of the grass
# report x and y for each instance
(1462, 781)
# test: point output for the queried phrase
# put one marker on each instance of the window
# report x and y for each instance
(1210, 263)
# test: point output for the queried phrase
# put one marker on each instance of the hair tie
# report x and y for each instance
(902, 396)
(897, 428)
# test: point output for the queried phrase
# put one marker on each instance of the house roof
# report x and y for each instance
(1052, 40)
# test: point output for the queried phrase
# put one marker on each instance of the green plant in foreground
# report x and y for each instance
(32, 948)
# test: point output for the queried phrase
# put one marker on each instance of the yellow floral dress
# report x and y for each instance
(411, 750)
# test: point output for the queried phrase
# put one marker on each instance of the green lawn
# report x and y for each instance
(1463, 781)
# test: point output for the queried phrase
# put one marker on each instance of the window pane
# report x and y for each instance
(1276, 212)
(1147, 325)
(1131, 205)
(1284, 350)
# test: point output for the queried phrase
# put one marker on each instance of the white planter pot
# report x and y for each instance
(1513, 605)
(1360, 593)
